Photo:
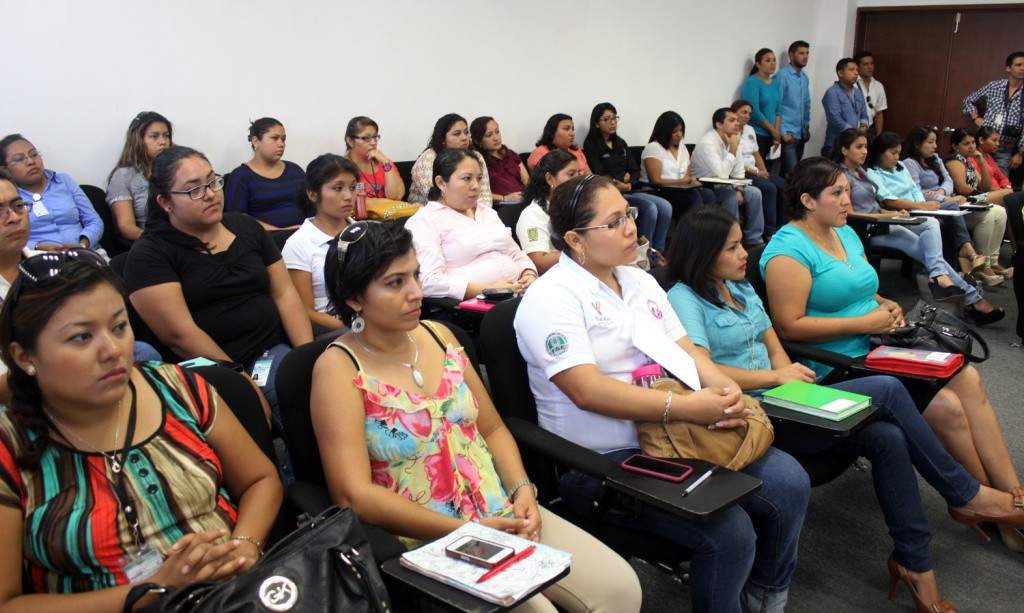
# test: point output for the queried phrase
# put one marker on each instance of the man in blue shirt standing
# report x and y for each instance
(844, 104)
(795, 90)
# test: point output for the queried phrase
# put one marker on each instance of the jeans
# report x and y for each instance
(791, 154)
(1003, 156)
(773, 200)
(896, 443)
(923, 242)
(956, 225)
(653, 218)
(750, 547)
(753, 214)
(144, 352)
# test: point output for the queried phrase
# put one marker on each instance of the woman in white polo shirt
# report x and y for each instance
(576, 330)
(534, 226)
(328, 195)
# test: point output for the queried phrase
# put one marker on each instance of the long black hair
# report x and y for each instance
(882, 143)
(547, 137)
(363, 261)
(537, 189)
(133, 155)
(810, 176)
(758, 57)
(594, 135)
(845, 140)
(321, 171)
(565, 217)
(700, 237)
(441, 129)
(158, 223)
(664, 126)
(912, 149)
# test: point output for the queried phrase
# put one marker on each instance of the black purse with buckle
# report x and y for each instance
(931, 329)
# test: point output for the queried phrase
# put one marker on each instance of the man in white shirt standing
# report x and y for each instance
(874, 93)
(715, 158)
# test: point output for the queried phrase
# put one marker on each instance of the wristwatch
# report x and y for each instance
(387, 167)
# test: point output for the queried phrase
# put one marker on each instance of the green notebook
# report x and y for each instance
(817, 400)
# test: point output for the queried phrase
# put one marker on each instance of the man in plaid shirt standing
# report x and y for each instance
(1004, 111)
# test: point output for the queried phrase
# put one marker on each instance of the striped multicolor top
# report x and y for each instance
(75, 534)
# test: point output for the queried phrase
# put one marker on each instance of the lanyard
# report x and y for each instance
(120, 491)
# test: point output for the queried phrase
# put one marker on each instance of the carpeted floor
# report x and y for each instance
(844, 544)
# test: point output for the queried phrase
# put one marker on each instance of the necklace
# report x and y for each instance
(416, 376)
(832, 250)
(115, 464)
(749, 339)
(375, 188)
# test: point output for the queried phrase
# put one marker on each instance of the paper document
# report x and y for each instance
(650, 338)
(939, 213)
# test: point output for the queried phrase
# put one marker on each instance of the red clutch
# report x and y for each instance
(915, 361)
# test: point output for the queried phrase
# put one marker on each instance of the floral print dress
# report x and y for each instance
(428, 448)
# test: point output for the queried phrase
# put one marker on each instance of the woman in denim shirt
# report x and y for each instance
(726, 320)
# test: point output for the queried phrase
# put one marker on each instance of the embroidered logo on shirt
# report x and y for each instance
(533, 234)
(556, 345)
(655, 310)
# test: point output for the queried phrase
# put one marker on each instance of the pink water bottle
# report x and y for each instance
(360, 200)
(646, 375)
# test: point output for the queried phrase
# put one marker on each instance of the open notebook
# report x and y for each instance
(506, 588)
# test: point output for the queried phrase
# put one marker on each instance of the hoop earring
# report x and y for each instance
(358, 324)
(583, 258)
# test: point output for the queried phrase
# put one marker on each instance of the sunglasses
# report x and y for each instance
(39, 269)
(350, 236)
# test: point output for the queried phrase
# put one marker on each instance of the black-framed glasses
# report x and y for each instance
(350, 236)
(368, 139)
(40, 268)
(631, 213)
(22, 159)
(610, 119)
(199, 192)
(14, 208)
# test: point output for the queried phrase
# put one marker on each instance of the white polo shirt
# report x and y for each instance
(534, 230)
(876, 94)
(568, 318)
(306, 250)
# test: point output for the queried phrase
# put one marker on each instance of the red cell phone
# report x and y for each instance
(478, 551)
(658, 468)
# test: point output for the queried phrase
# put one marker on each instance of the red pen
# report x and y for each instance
(522, 555)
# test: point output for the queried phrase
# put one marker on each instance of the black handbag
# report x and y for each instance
(324, 565)
(932, 329)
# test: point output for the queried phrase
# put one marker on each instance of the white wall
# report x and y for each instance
(79, 72)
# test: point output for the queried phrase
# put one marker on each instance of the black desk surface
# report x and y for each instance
(837, 428)
(721, 490)
(447, 596)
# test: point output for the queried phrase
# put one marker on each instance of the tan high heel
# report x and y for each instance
(970, 263)
(1013, 519)
(897, 573)
(1012, 538)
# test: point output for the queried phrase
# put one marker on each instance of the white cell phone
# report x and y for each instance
(478, 551)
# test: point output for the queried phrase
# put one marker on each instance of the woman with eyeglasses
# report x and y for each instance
(265, 186)
(462, 245)
(63, 215)
(577, 330)
(450, 132)
(113, 475)
(376, 170)
(409, 437)
(559, 133)
(505, 168)
(148, 134)
(533, 229)
(608, 155)
(212, 284)
(329, 197)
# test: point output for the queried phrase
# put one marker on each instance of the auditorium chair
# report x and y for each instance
(111, 241)
(1014, 204)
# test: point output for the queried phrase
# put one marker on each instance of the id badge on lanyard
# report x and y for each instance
(261, 369)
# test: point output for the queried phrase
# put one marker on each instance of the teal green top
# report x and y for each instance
(838, 289)
(765, 102)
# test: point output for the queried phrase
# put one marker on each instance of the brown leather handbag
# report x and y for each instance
(732, 448)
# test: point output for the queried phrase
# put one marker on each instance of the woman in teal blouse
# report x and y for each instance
(822, 292)
(761, 90)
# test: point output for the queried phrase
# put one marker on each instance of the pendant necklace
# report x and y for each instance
(828, 250)
(417, 377)
(115, 464)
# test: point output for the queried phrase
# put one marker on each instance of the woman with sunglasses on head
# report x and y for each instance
(212, 284)
(113, 475)
(265, 186)
(576, 331)
(421, 463)
(559, 133)
(329, 196)
(450, 132)
(505, 168)
(376, 170)
(608, 155)
(63, 215)
(727, 322)
(533, 229)
(128, 184)
(462, 245)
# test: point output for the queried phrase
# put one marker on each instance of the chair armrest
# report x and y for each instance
(446, 305)
(824, 356)
(308, 498)
(567, 454)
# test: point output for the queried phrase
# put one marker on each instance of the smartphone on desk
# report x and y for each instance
(478, 551)
(496, 294)
(657, 467)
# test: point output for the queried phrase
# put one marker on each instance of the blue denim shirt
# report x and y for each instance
(843, 111)
(69, 213)
(795, 92)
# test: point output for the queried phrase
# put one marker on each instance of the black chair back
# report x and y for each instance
(754, 275)
(660, 275)
(506, 368)
(139, 328)
(111, 240)
(405, 171)
(509, 215)
(1014, 204)
(280, 237)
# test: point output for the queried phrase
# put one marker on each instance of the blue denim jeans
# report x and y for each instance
(753, 213)
(792, 153)
(1003, 156)
(923, 242)
(654, 214)
(773, 202)
(749, 548)
(144, 352)
(896, 443)
(955, 225)
(269, 389)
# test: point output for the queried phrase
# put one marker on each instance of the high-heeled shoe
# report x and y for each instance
(970, 263)
(981, 318)
(1013, 519)
(897, 573)
(950, 293)
(991, 280)
(1012, 538)
(1006, 273)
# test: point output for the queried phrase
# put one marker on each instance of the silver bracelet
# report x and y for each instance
(515, 488)
(668, 406)
(251, 540)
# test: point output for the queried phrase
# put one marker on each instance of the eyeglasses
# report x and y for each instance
(610, 119)
(40, 268)
(631, 214)
(23, 159)
(199, 192)
(350, 236)
(14, 208)
(368, 139)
